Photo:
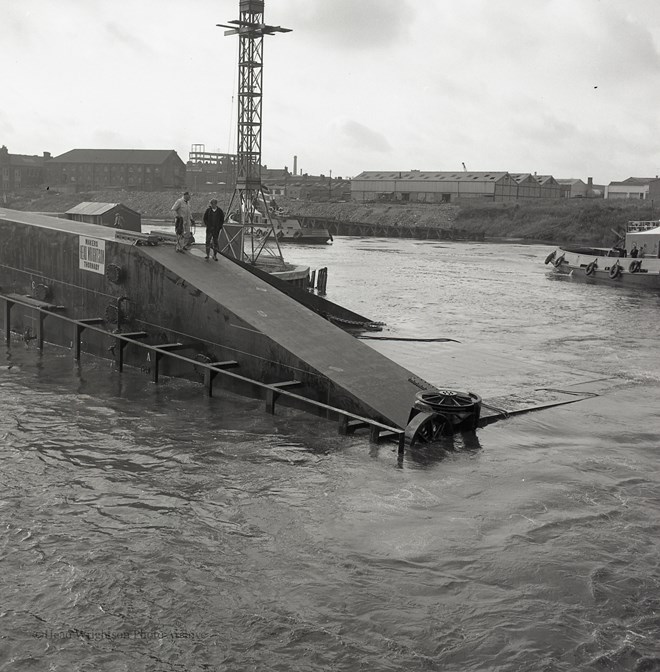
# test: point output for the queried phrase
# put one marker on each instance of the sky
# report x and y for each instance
(569, 88)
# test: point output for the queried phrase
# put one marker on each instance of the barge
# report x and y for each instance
(635, 262)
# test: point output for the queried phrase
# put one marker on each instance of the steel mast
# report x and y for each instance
(249, 193)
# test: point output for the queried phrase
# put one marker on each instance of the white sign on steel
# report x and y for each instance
(92, 254)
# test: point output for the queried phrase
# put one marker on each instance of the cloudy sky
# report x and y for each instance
(565, 87)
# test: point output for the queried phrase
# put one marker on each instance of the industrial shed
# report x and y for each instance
(528, 186)
(105, 214)
(432, 187)
(550, 188)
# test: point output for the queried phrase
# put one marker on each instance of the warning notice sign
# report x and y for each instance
(92, 254)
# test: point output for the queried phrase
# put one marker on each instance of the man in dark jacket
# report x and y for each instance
(214, 218)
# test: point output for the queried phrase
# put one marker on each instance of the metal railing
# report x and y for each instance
(348, 422)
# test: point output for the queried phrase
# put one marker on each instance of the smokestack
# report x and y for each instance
(295, 165)
(590, 181)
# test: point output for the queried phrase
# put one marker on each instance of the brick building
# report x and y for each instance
(20, 171)
(140, 169)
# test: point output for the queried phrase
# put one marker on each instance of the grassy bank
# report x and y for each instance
(588, 221)
(567, 221)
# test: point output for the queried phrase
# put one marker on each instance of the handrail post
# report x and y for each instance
(77, 331)
(156, 363)
(209, 377)
(40, 329)
(8, 307)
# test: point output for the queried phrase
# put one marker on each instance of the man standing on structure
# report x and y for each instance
(183, 220)
(214, 218)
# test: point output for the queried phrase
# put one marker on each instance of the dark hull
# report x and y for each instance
(306, 240)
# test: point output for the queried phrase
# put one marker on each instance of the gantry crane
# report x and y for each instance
(248, 197)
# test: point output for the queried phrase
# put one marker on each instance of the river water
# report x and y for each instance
(148, 528)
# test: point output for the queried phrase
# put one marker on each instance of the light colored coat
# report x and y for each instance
(182, 209)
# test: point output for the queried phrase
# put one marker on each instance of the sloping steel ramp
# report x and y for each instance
(383, 388)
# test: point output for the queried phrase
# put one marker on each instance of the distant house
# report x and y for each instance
(633, 187)
(105, 214)
(280, 182)
(143, 169)
(20, 171)
(274, 174)
(573, 188)
(417, 186)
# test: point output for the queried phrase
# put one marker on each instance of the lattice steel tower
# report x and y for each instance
(249, 194)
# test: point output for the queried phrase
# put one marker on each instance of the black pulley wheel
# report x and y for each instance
(452, 401)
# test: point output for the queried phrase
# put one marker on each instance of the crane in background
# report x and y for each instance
(249, 192)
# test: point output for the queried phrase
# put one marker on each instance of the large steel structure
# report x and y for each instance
(249, 194)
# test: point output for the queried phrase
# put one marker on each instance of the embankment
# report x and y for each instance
(588, 221)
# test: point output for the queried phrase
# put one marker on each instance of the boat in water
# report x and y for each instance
(289, 229)
(634, 261)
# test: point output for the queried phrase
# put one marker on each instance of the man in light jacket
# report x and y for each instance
(183, 220)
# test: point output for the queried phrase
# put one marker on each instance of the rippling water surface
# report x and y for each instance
(148, 528)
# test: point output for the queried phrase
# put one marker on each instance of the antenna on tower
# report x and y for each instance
(249, 192)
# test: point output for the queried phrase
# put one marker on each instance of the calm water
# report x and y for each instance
(148, 528)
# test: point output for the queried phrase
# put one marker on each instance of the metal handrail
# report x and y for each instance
(272, 387)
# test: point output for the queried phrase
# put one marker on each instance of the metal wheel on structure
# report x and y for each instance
(448, 400)
(427, 428)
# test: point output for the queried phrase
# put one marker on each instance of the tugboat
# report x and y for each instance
(634, 261)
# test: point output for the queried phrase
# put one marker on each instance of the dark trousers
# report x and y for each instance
(212, 233)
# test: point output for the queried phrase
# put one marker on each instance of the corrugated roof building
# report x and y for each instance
(550, 188)
(115, 215)
(528, 186)
(143, 169)
(417, 186)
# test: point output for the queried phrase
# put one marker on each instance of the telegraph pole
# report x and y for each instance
(248, 193)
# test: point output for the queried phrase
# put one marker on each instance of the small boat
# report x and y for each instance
(634, 261)
(290, 230)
